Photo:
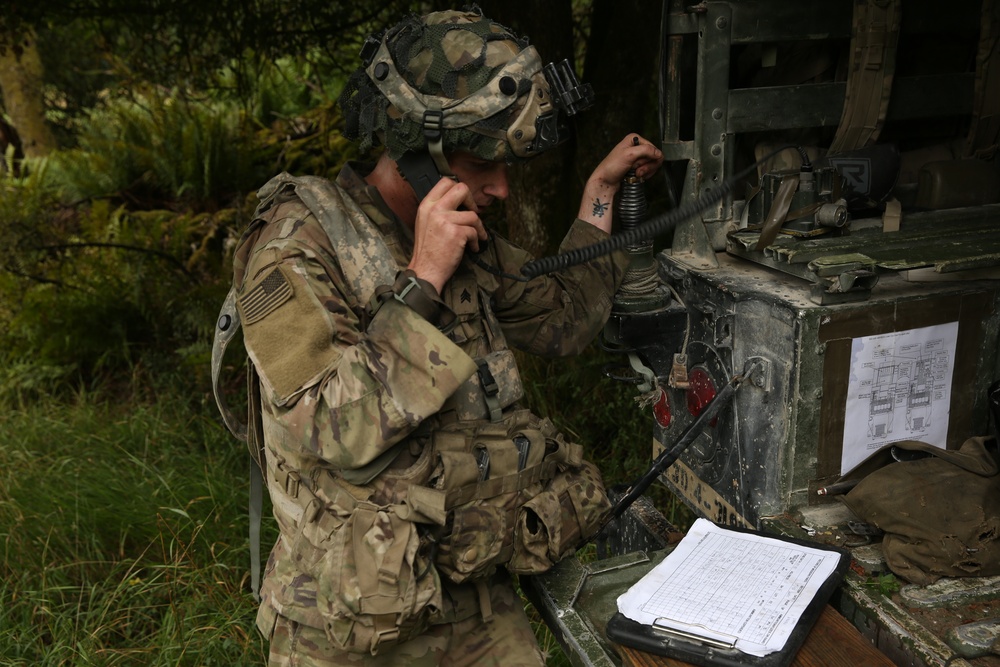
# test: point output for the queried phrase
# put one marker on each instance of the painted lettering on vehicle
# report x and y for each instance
(700, 496)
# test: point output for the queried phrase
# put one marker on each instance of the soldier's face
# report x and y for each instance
(487, 180)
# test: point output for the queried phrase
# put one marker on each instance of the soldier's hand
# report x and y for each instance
(632, 152)
(443, 230)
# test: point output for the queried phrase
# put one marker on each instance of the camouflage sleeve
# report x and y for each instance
(342, 393)
(561, 313)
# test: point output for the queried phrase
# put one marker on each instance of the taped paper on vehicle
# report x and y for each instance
(900, 389)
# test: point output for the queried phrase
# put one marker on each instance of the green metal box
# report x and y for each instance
(838, 381)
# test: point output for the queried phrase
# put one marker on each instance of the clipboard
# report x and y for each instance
(710, 650)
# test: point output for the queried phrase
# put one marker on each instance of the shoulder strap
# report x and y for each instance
(225, 330)
(363, 255)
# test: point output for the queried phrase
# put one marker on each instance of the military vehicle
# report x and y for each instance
(841, 278)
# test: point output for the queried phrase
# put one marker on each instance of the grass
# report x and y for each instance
(123, 525)
(122, 538)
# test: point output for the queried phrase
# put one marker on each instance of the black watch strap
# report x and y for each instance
(418, 294)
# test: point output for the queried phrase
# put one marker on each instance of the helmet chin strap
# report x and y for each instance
(423, 169)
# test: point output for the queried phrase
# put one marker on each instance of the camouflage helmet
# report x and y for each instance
(455, 80)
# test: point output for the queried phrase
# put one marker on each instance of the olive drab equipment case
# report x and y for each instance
(864, 274)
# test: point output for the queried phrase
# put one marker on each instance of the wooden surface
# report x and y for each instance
(833, 642)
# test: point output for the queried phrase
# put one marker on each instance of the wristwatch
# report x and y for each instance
(418, 294)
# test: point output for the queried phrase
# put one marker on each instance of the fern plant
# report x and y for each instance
(157, 148)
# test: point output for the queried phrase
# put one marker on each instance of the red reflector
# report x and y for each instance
(661, 410)
(700, 392)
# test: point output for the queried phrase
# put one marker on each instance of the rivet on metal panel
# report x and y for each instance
(722, 23)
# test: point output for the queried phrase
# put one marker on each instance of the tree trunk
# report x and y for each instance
(21, 77)
(621, 64)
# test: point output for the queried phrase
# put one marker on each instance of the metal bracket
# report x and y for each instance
(761, 375)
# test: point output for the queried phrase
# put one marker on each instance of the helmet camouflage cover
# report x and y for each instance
(457, 78)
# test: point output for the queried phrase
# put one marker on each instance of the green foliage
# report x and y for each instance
(157, 148)
(77, 72)
(286, 87)
(187, 42)
(885, 584)
(112, 293)
(27, 204)
(122, 537)
(112, 281)
(310, 143)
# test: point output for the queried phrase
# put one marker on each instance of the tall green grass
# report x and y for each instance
(123, 525)
(122, 537)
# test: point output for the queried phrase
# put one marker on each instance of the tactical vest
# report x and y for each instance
(491, 484)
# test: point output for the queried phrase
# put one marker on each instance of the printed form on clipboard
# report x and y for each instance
(732, 589)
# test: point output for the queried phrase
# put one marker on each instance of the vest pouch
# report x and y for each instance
(478, 534)
(532, 446)
(474, 544)
(456, 469)
(375, 586)
(553, 524)
(473, 401)
(496, 459)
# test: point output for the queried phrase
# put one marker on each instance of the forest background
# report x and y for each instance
(133, 137)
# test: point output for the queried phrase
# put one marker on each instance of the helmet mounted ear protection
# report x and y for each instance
(458, 81)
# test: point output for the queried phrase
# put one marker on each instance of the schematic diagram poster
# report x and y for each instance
(900, 389)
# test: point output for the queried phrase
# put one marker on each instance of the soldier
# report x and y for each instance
(406, 478)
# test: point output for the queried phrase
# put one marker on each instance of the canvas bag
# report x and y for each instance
(940, 514)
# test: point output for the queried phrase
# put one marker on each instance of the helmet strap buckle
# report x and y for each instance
(433, 125)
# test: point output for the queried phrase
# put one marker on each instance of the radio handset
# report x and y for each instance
(422, 174)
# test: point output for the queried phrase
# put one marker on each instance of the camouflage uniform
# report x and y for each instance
(506, 640)
(348, 398)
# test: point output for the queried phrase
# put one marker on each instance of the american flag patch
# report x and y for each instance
(259, 302)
